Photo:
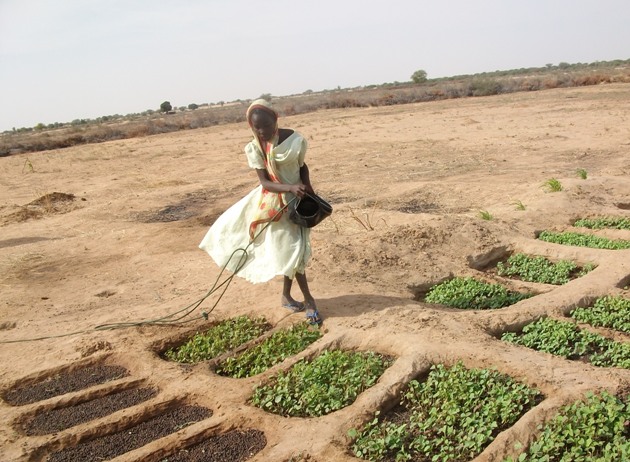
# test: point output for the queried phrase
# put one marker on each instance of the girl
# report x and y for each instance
(259, 222)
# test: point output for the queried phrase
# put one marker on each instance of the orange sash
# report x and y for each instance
(271, 205)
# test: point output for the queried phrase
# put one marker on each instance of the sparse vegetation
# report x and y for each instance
(81, 131)
(582, 173)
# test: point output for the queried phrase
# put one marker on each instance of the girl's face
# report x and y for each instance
(264, 125)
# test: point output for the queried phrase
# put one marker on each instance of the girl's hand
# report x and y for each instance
(298, 189)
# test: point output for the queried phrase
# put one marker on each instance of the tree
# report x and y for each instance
(266, 97)
(166, 107)
(419, 76)
(193, 106)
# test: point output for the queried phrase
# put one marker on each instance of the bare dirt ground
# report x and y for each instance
(118, 243)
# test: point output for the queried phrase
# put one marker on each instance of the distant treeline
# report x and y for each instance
(81, 131)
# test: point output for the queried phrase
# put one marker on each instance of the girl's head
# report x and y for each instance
(263, 120)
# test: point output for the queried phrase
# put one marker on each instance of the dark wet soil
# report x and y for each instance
(115, 444)
(235, 446)
(60, 419)
(65, 382)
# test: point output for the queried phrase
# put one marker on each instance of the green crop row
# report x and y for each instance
(273, 350)
(469, 293)
(604, 222)
(328, 383)
(451, 416)
(223, 337)
(592, 430)
(565, 339)
(584, 240)
(539, 269)
(609, 311)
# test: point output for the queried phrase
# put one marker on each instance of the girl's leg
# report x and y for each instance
(287, 300)
(309, 302)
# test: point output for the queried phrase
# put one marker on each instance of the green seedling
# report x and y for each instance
(553, 185)
(582, 173)
(485, 215)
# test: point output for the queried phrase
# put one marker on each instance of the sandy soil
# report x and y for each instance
(407, 183)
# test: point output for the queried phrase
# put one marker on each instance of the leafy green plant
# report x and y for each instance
(565, 339)
(609, 311)
(223, 337)
(591, 430)
(584, 240)
(485, 215)
(270, 352)
(539, 269)
(469, 293)
(328, 383)
(604, 222)
(553, 185)
(582, 173)
(451, 416)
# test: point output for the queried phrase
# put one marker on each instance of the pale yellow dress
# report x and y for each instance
(283, 248)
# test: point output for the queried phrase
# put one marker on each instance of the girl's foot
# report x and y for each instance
(292, 305)
(312, 315)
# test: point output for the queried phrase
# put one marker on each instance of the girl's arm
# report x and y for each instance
(297, 189)
(306, 179)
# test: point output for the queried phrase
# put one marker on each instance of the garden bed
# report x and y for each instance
(584, 240)
(63, 383)
(271, 351)
(223, 337)
(612, 312)
(234, 446)
(562, 338)
(595, 429)
(604, 223)
(451, 416)
(331, 381)
(471, 294)
(112, 445)
(56, 420)
(541, 270)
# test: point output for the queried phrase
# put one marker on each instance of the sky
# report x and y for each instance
(62, 60)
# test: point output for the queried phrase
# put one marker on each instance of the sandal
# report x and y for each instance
(295, 307)
(313, 317)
